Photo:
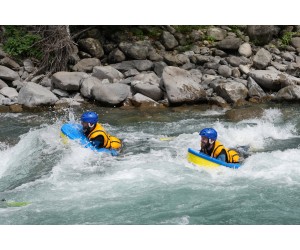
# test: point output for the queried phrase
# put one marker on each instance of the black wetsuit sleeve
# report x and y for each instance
(98, 141)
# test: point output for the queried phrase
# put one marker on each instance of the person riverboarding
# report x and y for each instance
(210, 146)
(96, 134)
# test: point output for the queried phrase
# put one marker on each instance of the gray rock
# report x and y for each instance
(107, 72)
(3, 84)
(131, 72)
(116, 56)
(225, 71)
(244, 68)
(261, 34)
(2, 54)
(86, 65)
(87, 86)
(138, 50)
(229, 43)
(196, 75)
(245, 50)
(273, 80)
(91, 46)
(217, 33)
(8, 62)
(143, 65)
(46, 82)
(141, 100)
(232, 91)
(8, 74)
(154, 56)
(295, 41)
(159, 68)
(112, 94)
(28, 65)
(17, 84)
(289, 93)
(254, 90)
(262, 59)
(236, 61)
(60, 93)
(4, 100)
(37, 78)
(69, 81)
(279, 66)
(220, 53)
(236, 73)
(168, 40)
(180, 86)
(33, 94)
(148, 85)
(9, 92)
(288, 56)
(176, 60)
(217, 100)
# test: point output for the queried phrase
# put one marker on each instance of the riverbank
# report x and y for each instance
(162, 66)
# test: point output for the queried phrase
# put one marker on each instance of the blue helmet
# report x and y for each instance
(210, 133)
(90, 117)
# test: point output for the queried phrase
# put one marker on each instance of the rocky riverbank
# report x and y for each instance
(218, 65)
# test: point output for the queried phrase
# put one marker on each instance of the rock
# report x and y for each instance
(3, 84)
(69, 81)
(287, 56)
(225, 71)
(91, 46)
(86, 65)
(111, 94)
(141, 100)
(46, 82)
(137, 50)
(8, 74)
(232, 91)
(154, 56)
(176, 60)
(289, 93)
(295, 41)
(60, 93)
(279, 66)
(6, 61)
(107, 72)
(87, 86)
(32, 95)
(245, 50)
(168, 40)
(159, 68)
(245, 69)
(229, 43)
(143, 65)
(17, 84)
(9, 92)
(148, 85)
(262, 59)
(180, 86)
(28, 65)
(261, 34)
(254, 90)
(236, 61)
(37, 79)
(236, 73)
(116, 56)
(196, 75)
(131, 72)
(4, 100)
(217, 33)
(2, 53)
(218, 100)
(273, 80)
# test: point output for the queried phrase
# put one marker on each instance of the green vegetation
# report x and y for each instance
(210, 39)
(20, 42)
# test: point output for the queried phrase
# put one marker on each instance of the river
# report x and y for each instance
(151, 182)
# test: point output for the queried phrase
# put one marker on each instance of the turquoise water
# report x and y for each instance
(151, 182)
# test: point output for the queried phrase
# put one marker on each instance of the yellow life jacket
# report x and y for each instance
(232, 155)
(110, 142)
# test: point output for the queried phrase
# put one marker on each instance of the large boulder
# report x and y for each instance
(110, 93)
(289, 93)
(69, 81)
(138, 50)
(140, 65)
(107, 72)
(148, 85)
(86, 64)
(181, 87)
(230, 43)
(141, 100)
(32, 95)
(217, 33)
(262, 59)
(91, 46)
(9, 92)
(168, 40)
(8, 74)
(261, 34)
(273, 80)
(245, 50)
(3, 84)
(87, 86)
(231, 91)
(254, 90)
(116, 56)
